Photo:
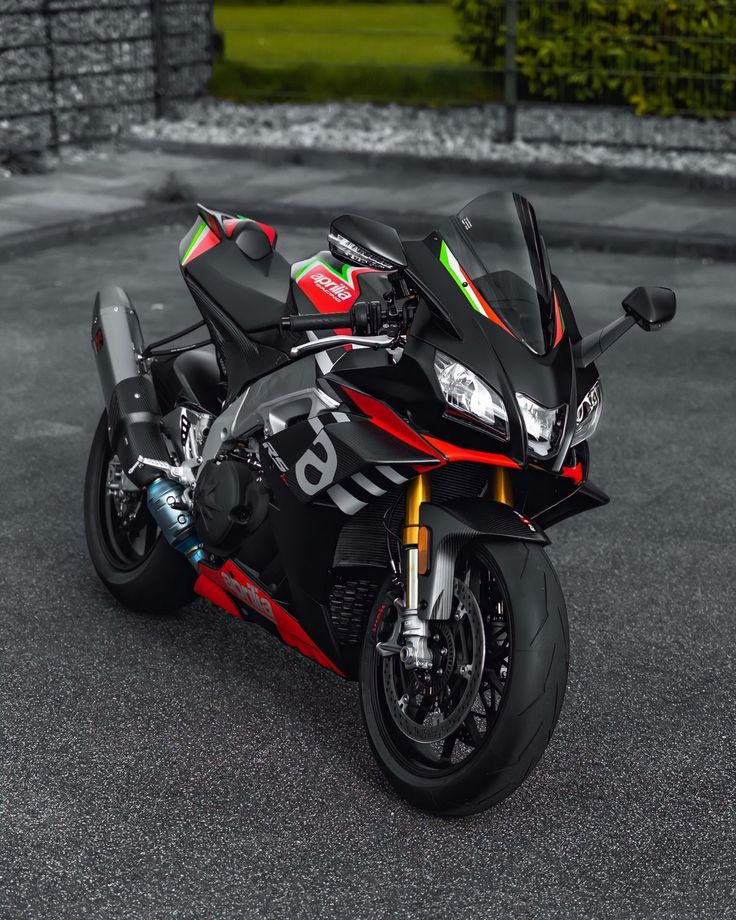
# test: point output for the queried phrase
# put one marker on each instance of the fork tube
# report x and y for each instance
(501, 486)
(417, 491)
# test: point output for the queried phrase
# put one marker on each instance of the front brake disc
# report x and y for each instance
(417, 708)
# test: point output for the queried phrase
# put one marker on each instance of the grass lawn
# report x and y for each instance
(357, 33)
(397, 52)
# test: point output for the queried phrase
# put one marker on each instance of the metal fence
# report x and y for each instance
(77, 71)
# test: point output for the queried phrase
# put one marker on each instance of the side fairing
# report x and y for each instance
(342, 460)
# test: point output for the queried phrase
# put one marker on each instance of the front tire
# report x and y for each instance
(509, 725)
(130, 555)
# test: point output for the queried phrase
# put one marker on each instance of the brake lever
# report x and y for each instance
(330, 341)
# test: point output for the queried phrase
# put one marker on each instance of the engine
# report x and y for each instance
(230, 502)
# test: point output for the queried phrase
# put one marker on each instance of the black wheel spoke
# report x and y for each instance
(473, 730)
(493, 679)
(448, 746)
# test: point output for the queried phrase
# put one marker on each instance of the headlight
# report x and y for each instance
(544, 427)
(589, 414)
(467, 395)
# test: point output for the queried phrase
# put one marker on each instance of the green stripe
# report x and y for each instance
(196, 238)
(340, 274)
(305, 269)
(444, 259)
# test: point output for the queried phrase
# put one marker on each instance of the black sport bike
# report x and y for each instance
(364, 457)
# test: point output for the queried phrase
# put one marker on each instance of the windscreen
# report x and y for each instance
(495, 253)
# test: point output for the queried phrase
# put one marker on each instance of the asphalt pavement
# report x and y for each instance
(190, 767)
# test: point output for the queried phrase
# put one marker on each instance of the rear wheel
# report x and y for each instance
(460, 737)
(129, 553)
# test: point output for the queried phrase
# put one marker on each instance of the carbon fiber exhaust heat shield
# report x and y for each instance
(133, 412)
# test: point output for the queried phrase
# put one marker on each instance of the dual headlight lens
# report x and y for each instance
(544, 427)
(468, 398)
(472, 400)
(589, 414)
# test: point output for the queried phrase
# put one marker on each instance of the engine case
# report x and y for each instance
(230, 502)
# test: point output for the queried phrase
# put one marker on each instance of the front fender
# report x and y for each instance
(452, 526)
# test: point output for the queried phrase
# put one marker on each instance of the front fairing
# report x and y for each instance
(495, 355)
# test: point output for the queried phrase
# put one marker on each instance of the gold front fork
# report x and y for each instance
(417, 491)
(501, 489)
(415, 653)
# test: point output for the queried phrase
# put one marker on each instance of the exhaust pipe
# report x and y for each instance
(134, 416)
(133, 412)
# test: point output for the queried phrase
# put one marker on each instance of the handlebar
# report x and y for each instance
(364, 318)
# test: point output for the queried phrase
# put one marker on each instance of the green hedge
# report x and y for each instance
(660, 56)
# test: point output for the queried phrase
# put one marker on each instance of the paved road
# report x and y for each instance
(190, 767)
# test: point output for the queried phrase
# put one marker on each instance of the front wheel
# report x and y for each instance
(460, 737)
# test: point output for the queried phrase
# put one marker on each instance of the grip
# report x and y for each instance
(319, 321)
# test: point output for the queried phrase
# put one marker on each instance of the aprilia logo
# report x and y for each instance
(316, 468)
(250, 595)
(336, 289)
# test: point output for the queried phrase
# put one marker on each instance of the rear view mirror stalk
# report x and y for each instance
(592, 346)
(648, 307)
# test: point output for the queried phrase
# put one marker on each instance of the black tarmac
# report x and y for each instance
(190, 767)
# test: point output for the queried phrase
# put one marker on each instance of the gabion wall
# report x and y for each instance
(83, 70)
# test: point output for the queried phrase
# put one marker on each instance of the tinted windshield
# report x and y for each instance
(495, 253)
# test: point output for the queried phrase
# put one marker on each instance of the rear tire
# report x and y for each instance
(136, 564)
(522, 604)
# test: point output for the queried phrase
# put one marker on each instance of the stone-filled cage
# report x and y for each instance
(77, 71)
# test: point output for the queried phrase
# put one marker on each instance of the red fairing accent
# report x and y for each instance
(574, 472)
(489, 311)
(453, 454)
(559, 325)
(212, 592)
(211, 222)
(207, 241)
(232, 579)
(230, 223)
(269, 231)
(386, 419)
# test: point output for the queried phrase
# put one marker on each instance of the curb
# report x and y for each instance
(557, 233)
(406, 161)
(87, 229)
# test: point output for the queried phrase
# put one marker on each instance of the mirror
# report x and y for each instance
(361, 241)
(651, 307)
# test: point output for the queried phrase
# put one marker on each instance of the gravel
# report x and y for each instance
(468, 133)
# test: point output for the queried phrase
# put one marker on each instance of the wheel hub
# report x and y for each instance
(126, 501)
(429, 706)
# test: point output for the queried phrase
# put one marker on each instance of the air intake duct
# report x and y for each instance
(133, 412)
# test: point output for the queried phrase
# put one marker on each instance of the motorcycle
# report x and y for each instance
(363, 457)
